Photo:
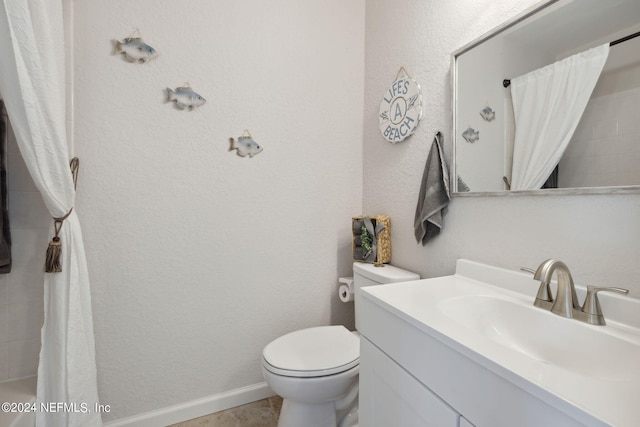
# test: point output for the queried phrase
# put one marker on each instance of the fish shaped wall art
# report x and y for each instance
(471, 135)
(133, 49)
(185, 97)
(488, 114)
(245, 145)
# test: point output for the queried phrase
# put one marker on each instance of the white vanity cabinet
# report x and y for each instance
(408, 378)
(420, 366)
(389, 396)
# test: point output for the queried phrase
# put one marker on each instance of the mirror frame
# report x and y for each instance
(527, 13)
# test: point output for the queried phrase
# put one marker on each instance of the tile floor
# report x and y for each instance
(263, 413)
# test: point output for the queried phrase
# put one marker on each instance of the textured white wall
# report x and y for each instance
(604, 149)
(597, 236)
(198, 258)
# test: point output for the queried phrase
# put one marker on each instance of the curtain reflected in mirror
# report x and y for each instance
(548, 104)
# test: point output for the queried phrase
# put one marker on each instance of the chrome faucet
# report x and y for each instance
(566, 301)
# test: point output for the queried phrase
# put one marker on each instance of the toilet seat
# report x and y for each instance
(313, 352)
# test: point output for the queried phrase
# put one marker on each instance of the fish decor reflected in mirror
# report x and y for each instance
(471, 135)
(185, 97)
(487, 114)
(134, 49)
(245, 145)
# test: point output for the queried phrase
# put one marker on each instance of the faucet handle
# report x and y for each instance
(543, 298)
(591, 304)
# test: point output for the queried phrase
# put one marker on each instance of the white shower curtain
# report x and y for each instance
(548, 104)
(32, 83)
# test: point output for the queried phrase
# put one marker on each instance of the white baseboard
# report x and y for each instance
(196, 408)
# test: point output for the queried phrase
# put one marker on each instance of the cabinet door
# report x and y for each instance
(389, 396)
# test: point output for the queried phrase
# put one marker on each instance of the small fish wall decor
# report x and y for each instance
(488, 114)
(185, 97)
(133, 49)
(245, 145)
(471, 135)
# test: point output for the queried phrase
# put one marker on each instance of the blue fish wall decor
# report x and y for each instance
(185, 97)
(134, 50)
(471, 135)
(245, 145)
(488, 114)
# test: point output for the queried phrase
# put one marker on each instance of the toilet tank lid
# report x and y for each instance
(386, 273)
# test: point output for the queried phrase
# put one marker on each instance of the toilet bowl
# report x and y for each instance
(315, 370)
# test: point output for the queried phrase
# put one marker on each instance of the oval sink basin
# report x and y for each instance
(586, 350)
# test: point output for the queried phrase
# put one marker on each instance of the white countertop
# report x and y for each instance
(595, 382)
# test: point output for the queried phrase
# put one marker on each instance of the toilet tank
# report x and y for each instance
(365, 274)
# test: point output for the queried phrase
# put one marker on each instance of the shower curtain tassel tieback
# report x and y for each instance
(53, 261)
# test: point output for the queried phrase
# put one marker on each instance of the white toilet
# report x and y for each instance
(315, 370)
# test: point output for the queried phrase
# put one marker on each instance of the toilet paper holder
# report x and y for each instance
(347, 281)
(345, 291)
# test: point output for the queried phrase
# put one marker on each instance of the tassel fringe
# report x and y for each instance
(53, 263)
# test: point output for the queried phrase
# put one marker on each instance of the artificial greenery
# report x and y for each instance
(366, 239)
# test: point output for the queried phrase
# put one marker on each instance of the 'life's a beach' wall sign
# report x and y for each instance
(400, 108)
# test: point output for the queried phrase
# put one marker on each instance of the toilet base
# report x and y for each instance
(295, 414)
(349, 416)
(321, 401)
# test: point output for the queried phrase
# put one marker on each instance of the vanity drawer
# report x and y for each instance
(390, 396)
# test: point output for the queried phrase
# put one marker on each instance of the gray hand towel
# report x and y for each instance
(434, 194)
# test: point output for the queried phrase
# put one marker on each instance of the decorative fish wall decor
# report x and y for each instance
(134, 50)
(488, 114)
(245, 145)
(471, 135)
(185, 97)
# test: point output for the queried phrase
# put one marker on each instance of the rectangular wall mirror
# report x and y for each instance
(603, 150)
